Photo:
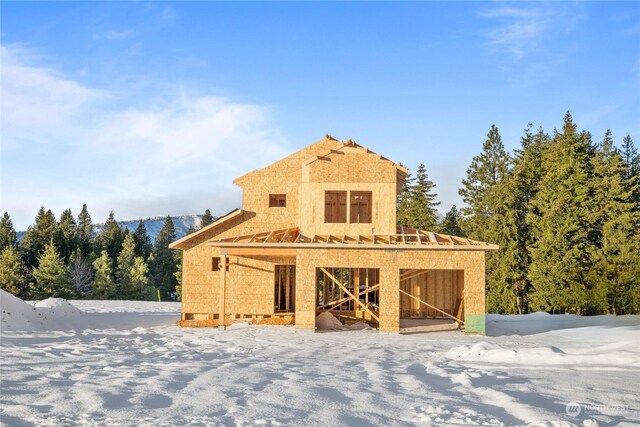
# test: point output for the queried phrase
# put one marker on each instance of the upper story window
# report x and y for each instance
(335, 206)
(360, 207)
(277, 200)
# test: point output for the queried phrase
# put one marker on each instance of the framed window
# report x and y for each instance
(335, 206)
(215, 264)
(277, 200)
(360, 207)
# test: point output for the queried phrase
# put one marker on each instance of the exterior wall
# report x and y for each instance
(357, 171)
(281, 177)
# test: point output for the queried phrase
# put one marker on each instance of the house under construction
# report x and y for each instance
(317, 232)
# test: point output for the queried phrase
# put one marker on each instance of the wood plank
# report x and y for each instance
(353, 297)
(263, 251)
(223, 283)
(435, 308)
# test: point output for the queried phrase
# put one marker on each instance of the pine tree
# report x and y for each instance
(43, 232)
(451, 223)
(103, 286)
(84, 232)
(110, 239)
(507, 279)
(143, 241)
(422, 206)
(139, 288)
(52, 276)
(67, 235)
(616, 279)
(403, 217)
(8, 235)
(164, 263)
(80, 273)
(632, 162)
(11, 275)
(563, 251)
(207, 219)
(126, 259)
(485, 171)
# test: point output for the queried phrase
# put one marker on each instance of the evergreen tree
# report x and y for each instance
(110, 239)
(80, 272)
(126, 259)
(52, 276)
(507, 279)
(143, 241)
(632, 163)
(422, 206)
(485, 171)
(8, 235)
(84, 232)
(11, 275)
(616, 278)
(563, 250)
(178, 275)
(164, 266)
(207, 219)
(43, 232)
(139, 288)
(103, 286)
(403, 217)
(67, 234)
(451, 223)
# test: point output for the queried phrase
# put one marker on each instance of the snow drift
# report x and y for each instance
(49, 314)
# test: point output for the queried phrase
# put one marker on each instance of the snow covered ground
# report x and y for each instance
(126, 363)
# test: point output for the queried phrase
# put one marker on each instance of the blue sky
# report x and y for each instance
(153, 108)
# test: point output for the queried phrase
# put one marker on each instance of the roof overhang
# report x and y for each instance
(377, 246)
(178, 244)
(405, 239)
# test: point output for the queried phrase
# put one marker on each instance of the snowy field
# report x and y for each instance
(126, 363)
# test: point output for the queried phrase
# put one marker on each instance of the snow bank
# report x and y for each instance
(17, 314)
(57, 307)
(622, 355)
(539, 322)
(49, 314)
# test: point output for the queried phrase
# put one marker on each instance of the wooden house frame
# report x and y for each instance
(317, 232)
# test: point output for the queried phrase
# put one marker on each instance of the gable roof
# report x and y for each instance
(318, 150)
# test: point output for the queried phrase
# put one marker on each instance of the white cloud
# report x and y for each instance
(114, 35)
(65, 144)
(520, 29)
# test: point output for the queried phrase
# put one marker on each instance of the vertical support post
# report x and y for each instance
(474, 294)
(390, 298)
(305, 294)
(223, 285)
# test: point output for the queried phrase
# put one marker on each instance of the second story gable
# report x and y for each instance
(329, 187)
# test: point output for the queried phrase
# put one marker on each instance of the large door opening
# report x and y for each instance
(348, 293)
(432, 298)
(285, 288)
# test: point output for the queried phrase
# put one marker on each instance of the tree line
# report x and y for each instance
(565, 211)
(67, 258)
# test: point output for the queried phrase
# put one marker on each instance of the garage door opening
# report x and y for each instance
(431, 300)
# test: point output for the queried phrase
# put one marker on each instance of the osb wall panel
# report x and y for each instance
(349, 165)
(312, 209)
(440, 288)
(249, 283)
(389, 263)
(281, 177)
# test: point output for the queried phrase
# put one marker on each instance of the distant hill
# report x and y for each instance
(153, 225)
